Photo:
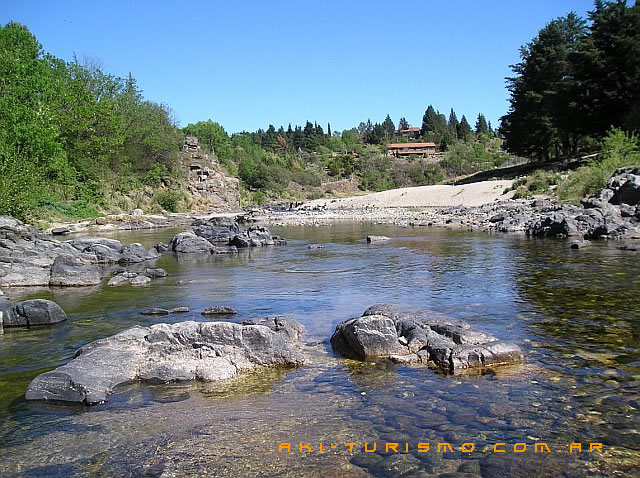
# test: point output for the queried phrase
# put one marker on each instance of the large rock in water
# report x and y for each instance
(70, 271)
(171, 352)
(411, 336)
(31, 312)
(219, 235)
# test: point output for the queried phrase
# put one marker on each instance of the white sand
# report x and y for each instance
(475, 194)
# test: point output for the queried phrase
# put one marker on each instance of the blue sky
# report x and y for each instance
(248, 64)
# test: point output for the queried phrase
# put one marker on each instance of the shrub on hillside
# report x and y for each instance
(619, 150)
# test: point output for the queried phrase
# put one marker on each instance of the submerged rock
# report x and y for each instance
(155, 311)
(126, 276)
(371, 239)
(31, 312)
(419, 336)
(219, 310)
(168, 353)
(160, 311)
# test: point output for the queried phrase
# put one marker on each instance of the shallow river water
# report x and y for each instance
(574, 313)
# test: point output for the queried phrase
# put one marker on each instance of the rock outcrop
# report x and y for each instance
(612, 213)
(30, 313)
(30, 258)
(407, 336)
(219, 235)
(210, 188)
(168, 353)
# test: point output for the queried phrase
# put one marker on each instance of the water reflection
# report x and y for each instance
(573, 312)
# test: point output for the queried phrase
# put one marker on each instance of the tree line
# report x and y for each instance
(575, 80)
(76, 140)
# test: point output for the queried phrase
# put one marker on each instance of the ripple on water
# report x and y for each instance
(574, 314)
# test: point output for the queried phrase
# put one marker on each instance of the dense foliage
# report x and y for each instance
(575, 80)
(71, 136)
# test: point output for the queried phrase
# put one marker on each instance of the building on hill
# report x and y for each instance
(409, 133)
(411, 149)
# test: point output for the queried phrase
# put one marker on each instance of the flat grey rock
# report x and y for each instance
(168, 353)
(70, 271)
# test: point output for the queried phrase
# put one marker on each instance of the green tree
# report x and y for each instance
(211, 136)
(481, 124)
(388, 128)
(464, 130)
(608, 69)
(453, 125)
(430, 123)
(30, 147)
(542, 117)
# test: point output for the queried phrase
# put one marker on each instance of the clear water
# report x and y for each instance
(574, 313)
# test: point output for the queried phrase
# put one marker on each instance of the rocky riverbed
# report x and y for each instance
(571, 314)
(29, 257)
(613, 213)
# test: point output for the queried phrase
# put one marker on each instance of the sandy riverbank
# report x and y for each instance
(440, 195)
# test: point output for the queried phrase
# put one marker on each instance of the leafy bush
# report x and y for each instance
(259, 198)
(156, 174)
(306, 178)
(468, 158)
(538, 182)
(170, 200)
(619, 150)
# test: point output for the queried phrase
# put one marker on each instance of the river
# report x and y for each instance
(575, 314)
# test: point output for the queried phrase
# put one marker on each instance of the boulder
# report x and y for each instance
(367, 337)
(69, 271)
(154, 272)
(140, 281)
(134, 253)
(216, 229)
(168, 353)
(179, 310)
(625, 184)
(126, 276)
(188, 242)
(560, 223)
(31, 313)
(119, 280)
(407, 336)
